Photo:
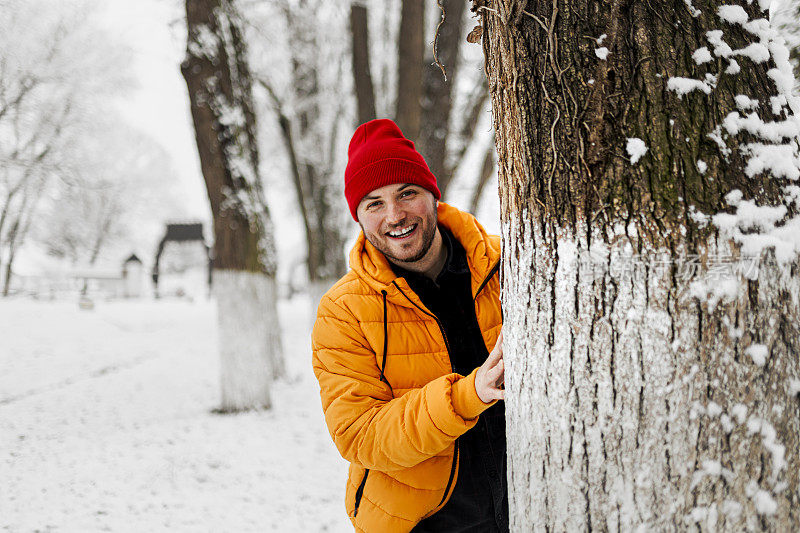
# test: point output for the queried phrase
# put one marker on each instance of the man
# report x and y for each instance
(402, 351)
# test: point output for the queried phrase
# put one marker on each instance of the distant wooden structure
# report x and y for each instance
(132, 271)
(88, 282)
(181, 234)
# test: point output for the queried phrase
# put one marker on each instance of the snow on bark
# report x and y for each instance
(601, 52)
(250, 347)
(684, 86)
(755, 227)
(636, 149)
(701, 55)
(733, 14)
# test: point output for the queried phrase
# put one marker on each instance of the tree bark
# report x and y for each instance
(410, 50)
(438, 98)
(220, 91)
(652, 374)
(362, 75)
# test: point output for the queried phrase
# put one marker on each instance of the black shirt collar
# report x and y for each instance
(455, 263)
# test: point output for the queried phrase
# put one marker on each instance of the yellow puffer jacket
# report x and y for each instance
(392, 402)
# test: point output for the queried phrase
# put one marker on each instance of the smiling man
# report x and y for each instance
(408, 351)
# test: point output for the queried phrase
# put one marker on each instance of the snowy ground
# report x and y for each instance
(106, 425)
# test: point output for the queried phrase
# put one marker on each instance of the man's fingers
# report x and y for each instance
(501, 370)
(491, 382)
(492, 373)
(495, 371)
(498, 394)
(497, 352)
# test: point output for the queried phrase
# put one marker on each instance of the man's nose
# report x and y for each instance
(395, 213)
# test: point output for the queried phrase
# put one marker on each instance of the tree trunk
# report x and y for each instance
(437, 103)
(652, 371)
(362, 75)
(475, 105)
(483, 178)
(220, 91)
(311, 154)
(31, 194)
(107, 222)
(12, 251)
(410, 49)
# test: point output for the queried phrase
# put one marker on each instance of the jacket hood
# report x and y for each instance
(483, 253)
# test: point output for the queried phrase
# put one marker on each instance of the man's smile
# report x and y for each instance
(402, 233)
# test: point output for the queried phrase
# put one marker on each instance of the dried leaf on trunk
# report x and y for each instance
(475, 35)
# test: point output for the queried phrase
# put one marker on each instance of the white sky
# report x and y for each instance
(159, 107)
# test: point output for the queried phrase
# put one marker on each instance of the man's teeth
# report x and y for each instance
(402, 232)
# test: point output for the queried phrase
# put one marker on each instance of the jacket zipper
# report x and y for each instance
(492, 272)
(452, 369)
(360, 492)
(452, 473)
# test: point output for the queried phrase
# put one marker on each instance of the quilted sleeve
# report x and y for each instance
(370, 427)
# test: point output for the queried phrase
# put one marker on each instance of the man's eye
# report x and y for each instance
(408, 193)
(373, 204)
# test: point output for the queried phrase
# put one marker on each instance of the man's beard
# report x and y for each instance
(428, 233)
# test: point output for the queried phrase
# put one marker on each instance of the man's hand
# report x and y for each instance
(491, 374)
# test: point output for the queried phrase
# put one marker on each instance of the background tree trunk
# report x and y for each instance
(31, 191)
(487, 171)
(311, 143)
(13, 236)
(362, 75)
(410, 50)
(437, 103)
(652, 376)
(220, 91)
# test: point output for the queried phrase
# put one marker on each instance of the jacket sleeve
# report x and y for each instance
(370, 427)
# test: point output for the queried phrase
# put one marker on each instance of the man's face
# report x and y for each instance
(399, 220)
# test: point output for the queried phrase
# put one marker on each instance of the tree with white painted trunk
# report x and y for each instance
(220, 91)
(648, 167)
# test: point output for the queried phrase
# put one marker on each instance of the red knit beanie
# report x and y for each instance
(379, 155)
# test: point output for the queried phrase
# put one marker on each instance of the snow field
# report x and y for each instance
(106, 424)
